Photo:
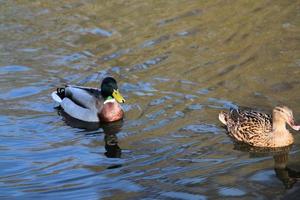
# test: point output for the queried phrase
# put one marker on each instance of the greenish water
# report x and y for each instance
(178, 63)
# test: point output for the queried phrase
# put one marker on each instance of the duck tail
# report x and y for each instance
(61, 92)
(223, 117)
(58, 95)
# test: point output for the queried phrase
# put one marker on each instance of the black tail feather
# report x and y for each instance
(61, 92)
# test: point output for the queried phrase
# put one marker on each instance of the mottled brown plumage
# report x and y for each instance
(260, 129)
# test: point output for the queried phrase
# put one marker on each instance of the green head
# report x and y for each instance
(109, 88)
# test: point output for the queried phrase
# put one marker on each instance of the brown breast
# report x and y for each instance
(111, 112)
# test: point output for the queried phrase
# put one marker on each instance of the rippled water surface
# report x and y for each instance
(178, 63)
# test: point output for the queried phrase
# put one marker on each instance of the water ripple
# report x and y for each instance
(202, 128)
(231, 192)
(147, 64)
(183, 195)
(13, 69)
(21, 92)
(97, 31)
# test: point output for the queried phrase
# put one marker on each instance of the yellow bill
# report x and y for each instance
(118, 97)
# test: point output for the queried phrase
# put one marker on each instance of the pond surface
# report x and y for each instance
(178, 64)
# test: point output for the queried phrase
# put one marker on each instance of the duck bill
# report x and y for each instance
(293, 125)
(118, 97)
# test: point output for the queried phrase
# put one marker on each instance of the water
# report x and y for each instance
(178, 63)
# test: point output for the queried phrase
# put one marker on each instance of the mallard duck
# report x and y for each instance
(91, 104)
(260, 129)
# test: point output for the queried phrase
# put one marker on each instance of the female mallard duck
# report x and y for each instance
(92, 104)
(260, 129)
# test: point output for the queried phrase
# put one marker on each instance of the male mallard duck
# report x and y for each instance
(92, 104)
(260, 129)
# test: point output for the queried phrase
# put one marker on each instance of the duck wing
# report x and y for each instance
(86, 97)
(78, 112)
(83, 103)
(247, 125)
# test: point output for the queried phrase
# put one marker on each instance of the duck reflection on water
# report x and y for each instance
(110, 130)
(111, 140)
(280, 155)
